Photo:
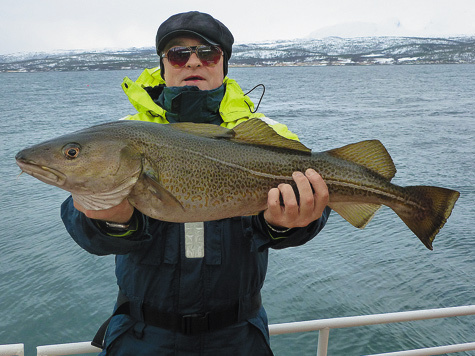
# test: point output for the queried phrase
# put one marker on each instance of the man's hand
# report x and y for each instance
(291, 214)
(121, 213)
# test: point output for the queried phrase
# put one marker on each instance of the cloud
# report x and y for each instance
(31, 25)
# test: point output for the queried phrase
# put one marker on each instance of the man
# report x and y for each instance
(201, 295)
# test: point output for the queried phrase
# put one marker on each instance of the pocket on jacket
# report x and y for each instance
(118, 326)
(213, 242)
(164, 247)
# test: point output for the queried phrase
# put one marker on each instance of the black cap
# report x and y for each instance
(196, 23)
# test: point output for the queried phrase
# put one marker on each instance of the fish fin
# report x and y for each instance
(161, 193)
(257, 132)
(370, 154)
(427, 222)
(358, 215)
(205, 130)
(253, 131)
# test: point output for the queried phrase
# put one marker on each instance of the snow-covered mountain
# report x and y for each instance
(359, 50)
(308, 51)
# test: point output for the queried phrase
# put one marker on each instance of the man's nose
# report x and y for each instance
(194, 61)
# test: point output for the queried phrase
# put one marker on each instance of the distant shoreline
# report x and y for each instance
(277, 65)
(332, 51)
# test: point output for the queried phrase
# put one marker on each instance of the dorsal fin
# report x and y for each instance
(205, 130)
(370, 154)
(253, 131)
(257, 132)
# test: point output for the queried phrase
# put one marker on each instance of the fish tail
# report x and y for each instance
(426, 222)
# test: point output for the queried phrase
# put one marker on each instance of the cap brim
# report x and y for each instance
(177, 33)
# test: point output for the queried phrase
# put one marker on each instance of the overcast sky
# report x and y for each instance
(45, 25)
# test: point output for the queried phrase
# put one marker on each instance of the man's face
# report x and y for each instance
(194, 73)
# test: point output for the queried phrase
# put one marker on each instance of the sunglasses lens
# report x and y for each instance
(178, 56)
(208, 55)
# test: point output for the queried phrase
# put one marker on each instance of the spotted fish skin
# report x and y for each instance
(188, 172)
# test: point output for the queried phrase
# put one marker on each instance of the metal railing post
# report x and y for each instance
(322, 348)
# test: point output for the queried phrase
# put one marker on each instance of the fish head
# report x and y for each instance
(84, 163)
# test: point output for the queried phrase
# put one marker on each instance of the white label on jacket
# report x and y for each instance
(194, 240)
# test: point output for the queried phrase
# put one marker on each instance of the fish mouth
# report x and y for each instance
(45, 174)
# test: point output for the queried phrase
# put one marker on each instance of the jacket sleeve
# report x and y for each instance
(91, 238)
(294, 237)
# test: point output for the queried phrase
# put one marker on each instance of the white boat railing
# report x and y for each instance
(12, 350)
(323, 326)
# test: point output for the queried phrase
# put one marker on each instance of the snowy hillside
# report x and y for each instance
(362, 50)
(310, 51)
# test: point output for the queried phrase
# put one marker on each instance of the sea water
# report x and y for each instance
(52, 291)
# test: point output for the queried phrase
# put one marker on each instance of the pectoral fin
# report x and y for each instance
(159, 192)
(152, 199)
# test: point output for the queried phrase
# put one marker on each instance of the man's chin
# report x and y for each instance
(201, 84)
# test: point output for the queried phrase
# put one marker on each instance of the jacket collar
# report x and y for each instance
(234, 106)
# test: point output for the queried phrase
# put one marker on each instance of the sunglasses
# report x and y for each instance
(209, 55)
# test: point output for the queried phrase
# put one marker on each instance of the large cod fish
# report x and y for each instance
(198, 172)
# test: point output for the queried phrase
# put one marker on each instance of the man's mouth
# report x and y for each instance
(193, 78)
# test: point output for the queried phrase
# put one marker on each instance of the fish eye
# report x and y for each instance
(71, 151)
